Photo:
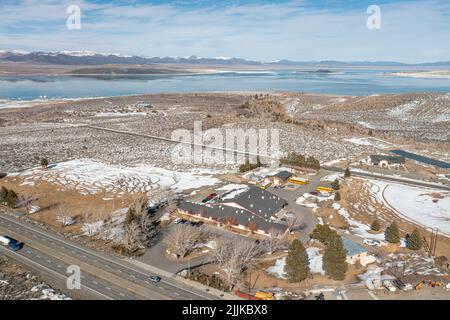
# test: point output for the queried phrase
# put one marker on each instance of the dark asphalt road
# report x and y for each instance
(102, 276)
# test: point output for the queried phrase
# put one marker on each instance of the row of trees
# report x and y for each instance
(299, 160)
(247, 166)
(334, 258)
(414, 241)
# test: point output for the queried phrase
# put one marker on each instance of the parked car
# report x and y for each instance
(197, 223)
(177, 220)
(289, 215)
(154, 279)
(399, 284)
(389, 285)
(183, 221)
(371, 242)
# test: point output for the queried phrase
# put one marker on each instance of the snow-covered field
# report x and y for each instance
(426, 207)
(377, 143)
(90, 177)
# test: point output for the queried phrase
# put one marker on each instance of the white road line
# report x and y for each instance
(61, 276)
(102, 257)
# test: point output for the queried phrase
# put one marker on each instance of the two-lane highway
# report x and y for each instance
(102, 276)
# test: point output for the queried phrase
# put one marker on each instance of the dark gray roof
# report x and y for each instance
(256, 205)
(390, 159)
(284, 175)
(259, 201)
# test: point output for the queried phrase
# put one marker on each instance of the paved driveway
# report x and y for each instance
(306, 214)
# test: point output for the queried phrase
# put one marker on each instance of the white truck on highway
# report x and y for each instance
(10, 243)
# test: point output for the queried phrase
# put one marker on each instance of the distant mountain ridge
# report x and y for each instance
(95, 58)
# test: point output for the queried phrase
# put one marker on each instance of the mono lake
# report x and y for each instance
(343, 82)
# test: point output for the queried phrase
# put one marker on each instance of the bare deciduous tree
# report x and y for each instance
(182, 239)
(27, 200)
(63, 216)
(275, 242)
(140, 225)
(132, 235)
(294, 222)
(234, 256)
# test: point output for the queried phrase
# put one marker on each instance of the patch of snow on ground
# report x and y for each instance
(48, 294)
(315, 264)
(356, 228)
(278, 269)
(234, 193)
(372, 142)
(315, 260)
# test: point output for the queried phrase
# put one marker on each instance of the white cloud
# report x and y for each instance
(411, 31)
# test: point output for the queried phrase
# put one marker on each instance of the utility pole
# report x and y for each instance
(189, 268)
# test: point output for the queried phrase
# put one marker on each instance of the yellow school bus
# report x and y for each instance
(324, 189)
(297, 180)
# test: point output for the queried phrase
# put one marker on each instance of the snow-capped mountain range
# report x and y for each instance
(85, 57)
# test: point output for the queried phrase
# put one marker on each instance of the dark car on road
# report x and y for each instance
(154, 279)
(197, 223)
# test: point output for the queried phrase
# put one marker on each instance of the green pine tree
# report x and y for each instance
(415, 241)
(392, 234)
(347, 173)
(44, 163)
(375, 226)
(11, 198)
(297, 262)
(323, 233)
(334, 259)
(3, 194)
(337, 196)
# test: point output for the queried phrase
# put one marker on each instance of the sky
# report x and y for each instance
(301, 30)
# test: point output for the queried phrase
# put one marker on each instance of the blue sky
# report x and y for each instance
(411, 31)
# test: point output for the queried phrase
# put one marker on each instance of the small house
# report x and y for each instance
(386, 161)
(281, 177)
(356, 253)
